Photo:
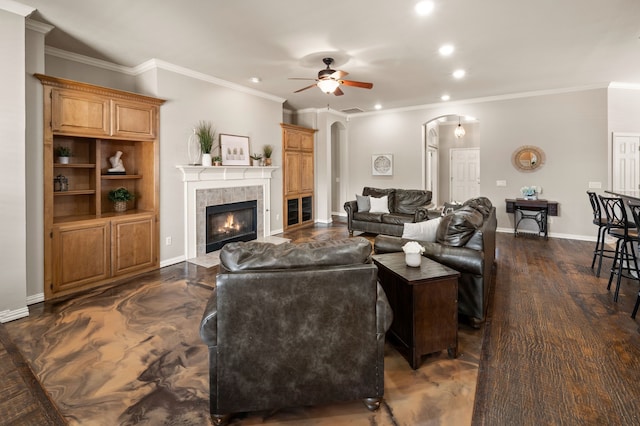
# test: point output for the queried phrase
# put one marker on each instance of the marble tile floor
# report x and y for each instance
(131, 354)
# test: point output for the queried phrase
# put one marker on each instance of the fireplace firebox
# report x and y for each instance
(231, 222)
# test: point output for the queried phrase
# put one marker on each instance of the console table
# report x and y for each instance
(536, 210)
(424, 301)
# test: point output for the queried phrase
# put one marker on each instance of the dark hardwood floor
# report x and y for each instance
(556, 349)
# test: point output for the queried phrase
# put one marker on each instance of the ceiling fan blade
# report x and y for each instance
(338, 92)
(300, 78)
(339, 74)
(360, 84)
(305, 88)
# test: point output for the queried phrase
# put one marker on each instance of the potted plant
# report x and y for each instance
(120, 196)
(267, 150)
(206, 135)
(217, 160)
(63, 153)
(256, 159)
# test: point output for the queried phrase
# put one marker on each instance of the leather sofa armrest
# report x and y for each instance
(462, 259)
(350, 207)
(384, 314)
(422, 213)
(209, 322)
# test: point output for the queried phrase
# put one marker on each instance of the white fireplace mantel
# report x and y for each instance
(213, 177)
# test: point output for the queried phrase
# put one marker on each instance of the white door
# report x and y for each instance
(626, 161)
(465, 173)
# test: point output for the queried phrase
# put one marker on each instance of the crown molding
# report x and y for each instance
(17, 8)
(76, 57)
(167, 66)
(487, 99)
(37, 26)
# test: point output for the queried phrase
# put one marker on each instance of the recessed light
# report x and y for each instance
(445, 97)
(424, 7)
(255, 79)
(446, 49)
(378, 106)
(459, 73)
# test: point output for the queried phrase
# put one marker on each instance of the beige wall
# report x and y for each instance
(570, 127)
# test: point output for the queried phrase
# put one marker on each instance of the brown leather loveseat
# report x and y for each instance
(403, 205)
(466, 242)
(293, 325)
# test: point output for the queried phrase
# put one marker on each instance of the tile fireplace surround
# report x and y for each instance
(205, 186)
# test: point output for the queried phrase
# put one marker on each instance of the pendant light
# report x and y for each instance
(459, 132)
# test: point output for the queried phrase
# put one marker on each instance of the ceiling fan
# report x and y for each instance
(329, 80)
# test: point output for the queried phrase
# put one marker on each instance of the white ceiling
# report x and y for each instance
(505, 46)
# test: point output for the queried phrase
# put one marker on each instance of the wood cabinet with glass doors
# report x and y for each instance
(298, 175)
(87, 243)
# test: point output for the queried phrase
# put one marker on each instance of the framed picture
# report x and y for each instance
(234, 150)
(382, 164)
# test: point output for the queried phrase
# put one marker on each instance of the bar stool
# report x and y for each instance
(619, 227)
(601, 222)
(635, 211)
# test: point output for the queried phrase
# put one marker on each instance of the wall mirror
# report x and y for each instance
(528, 158)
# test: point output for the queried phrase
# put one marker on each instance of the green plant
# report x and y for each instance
(120, 194)
(206, 134)
(256, 157)
(216, 159)
(268, 150)
(63, 151)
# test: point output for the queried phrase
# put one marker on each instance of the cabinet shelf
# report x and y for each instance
(74, 192)
(120, 177)
(74, 166)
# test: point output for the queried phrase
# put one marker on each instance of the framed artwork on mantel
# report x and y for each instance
(234, 150)
(382, 164)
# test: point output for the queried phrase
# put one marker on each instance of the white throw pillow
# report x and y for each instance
(379, 205)
(422, 231)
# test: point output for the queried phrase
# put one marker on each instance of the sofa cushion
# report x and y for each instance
(364, 205)
(368, 217)
(422, 231)
(253, 255)
(397, 218)
(408, 200)
(379, 205)
(381, 192)
(457, 228)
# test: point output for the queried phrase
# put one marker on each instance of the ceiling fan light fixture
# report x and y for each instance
(328, 85)
(459, 132)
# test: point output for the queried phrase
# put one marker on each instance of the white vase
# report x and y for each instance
(63, 160)
(193, 148)
(206, 159)
(413, 259)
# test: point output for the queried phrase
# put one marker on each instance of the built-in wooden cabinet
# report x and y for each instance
(298, 175)
(87, 243)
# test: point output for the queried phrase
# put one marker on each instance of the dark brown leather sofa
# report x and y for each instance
(466, 242)
(404, 205)
(293, 325)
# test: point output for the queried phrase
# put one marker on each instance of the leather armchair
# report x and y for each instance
(295, 324)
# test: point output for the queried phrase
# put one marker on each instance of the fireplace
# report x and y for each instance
(226, 223)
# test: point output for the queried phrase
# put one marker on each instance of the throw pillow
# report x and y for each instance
(379, 205)
(422, 231)
(363, 203)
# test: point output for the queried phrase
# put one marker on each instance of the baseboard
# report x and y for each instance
(555, 235)
(276, 231)
(35, 298)
(173, 261)
(13, 314)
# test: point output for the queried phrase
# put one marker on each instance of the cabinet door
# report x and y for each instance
(80, 254)
(132, 120)
(133, 244)
(79, 113)
(306, 172)
(292, 177)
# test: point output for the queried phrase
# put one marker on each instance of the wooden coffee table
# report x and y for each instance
(424, 301)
